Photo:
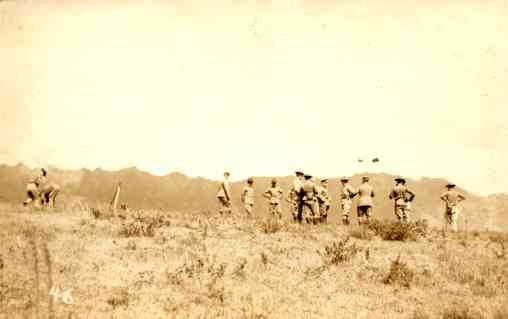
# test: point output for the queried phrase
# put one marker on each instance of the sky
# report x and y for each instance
(259, 88)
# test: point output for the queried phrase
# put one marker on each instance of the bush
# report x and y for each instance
(399, 274)
(400, 231)
(100, 212)
(142, 224)
(271, 225)
(119, 298)
(339, 252)
(200, 267)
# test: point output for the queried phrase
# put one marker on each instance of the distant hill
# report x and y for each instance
(178, 192)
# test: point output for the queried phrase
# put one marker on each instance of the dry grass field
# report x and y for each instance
(87, 263)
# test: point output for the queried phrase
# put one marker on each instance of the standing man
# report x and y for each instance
(309, 199)
(247, 196)
(402, 197)
(295, 197)
(365, 203)
(324, 200)
(346, 195)
(452, 198)
(224, 195)
(274, 195)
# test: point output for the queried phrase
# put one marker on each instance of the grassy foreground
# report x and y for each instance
(151, 264)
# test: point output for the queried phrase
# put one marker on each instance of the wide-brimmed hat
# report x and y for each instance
(299, 173)
(344, 179)
(365, 178)
(307, 176)
(399, 179)
(324, 180)
(450, 185)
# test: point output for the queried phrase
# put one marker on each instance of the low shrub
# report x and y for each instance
(400, 274)
(142, 224)
(120, 297)
(271, 225)
(339, 252)
(401, 231)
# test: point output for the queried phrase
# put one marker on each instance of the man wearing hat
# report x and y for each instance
(402, 197)
(295, 196)
(33, 188)
(346, 195)
(452, 198)
(247, 196)
(309, 200)
(274, 195)
(323, 200)
(365, 202)
(224, 195)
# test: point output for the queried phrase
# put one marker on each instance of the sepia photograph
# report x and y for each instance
(253, 159)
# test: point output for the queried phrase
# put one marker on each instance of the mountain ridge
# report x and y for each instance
(176, 191)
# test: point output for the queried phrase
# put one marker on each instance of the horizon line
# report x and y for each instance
(21, 163)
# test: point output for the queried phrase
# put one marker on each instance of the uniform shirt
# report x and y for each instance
(296, 189)
(248, 195)
(38, 180)
(309, 190)
(366, 194)
(323, 194)
(224, 190)
(452, 198)
(347, 192)
(274, 194)
(401, 194)
(297, 185)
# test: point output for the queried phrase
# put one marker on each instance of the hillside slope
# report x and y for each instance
(177, 192)
(206, 266)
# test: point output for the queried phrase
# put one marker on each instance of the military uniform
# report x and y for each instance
(224, 196)
(309, 198)
(295, 198)
(346, 195)
(365, 202)
(402, 197)
(324, 200)
(248, 198)
(274, 195)
(32, 190)
(32, 187)
(452, 198)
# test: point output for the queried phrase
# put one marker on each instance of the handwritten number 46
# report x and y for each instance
(65, 296)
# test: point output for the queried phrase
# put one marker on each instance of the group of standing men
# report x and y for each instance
(307, 199)
(311, 202)
(274, 195)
